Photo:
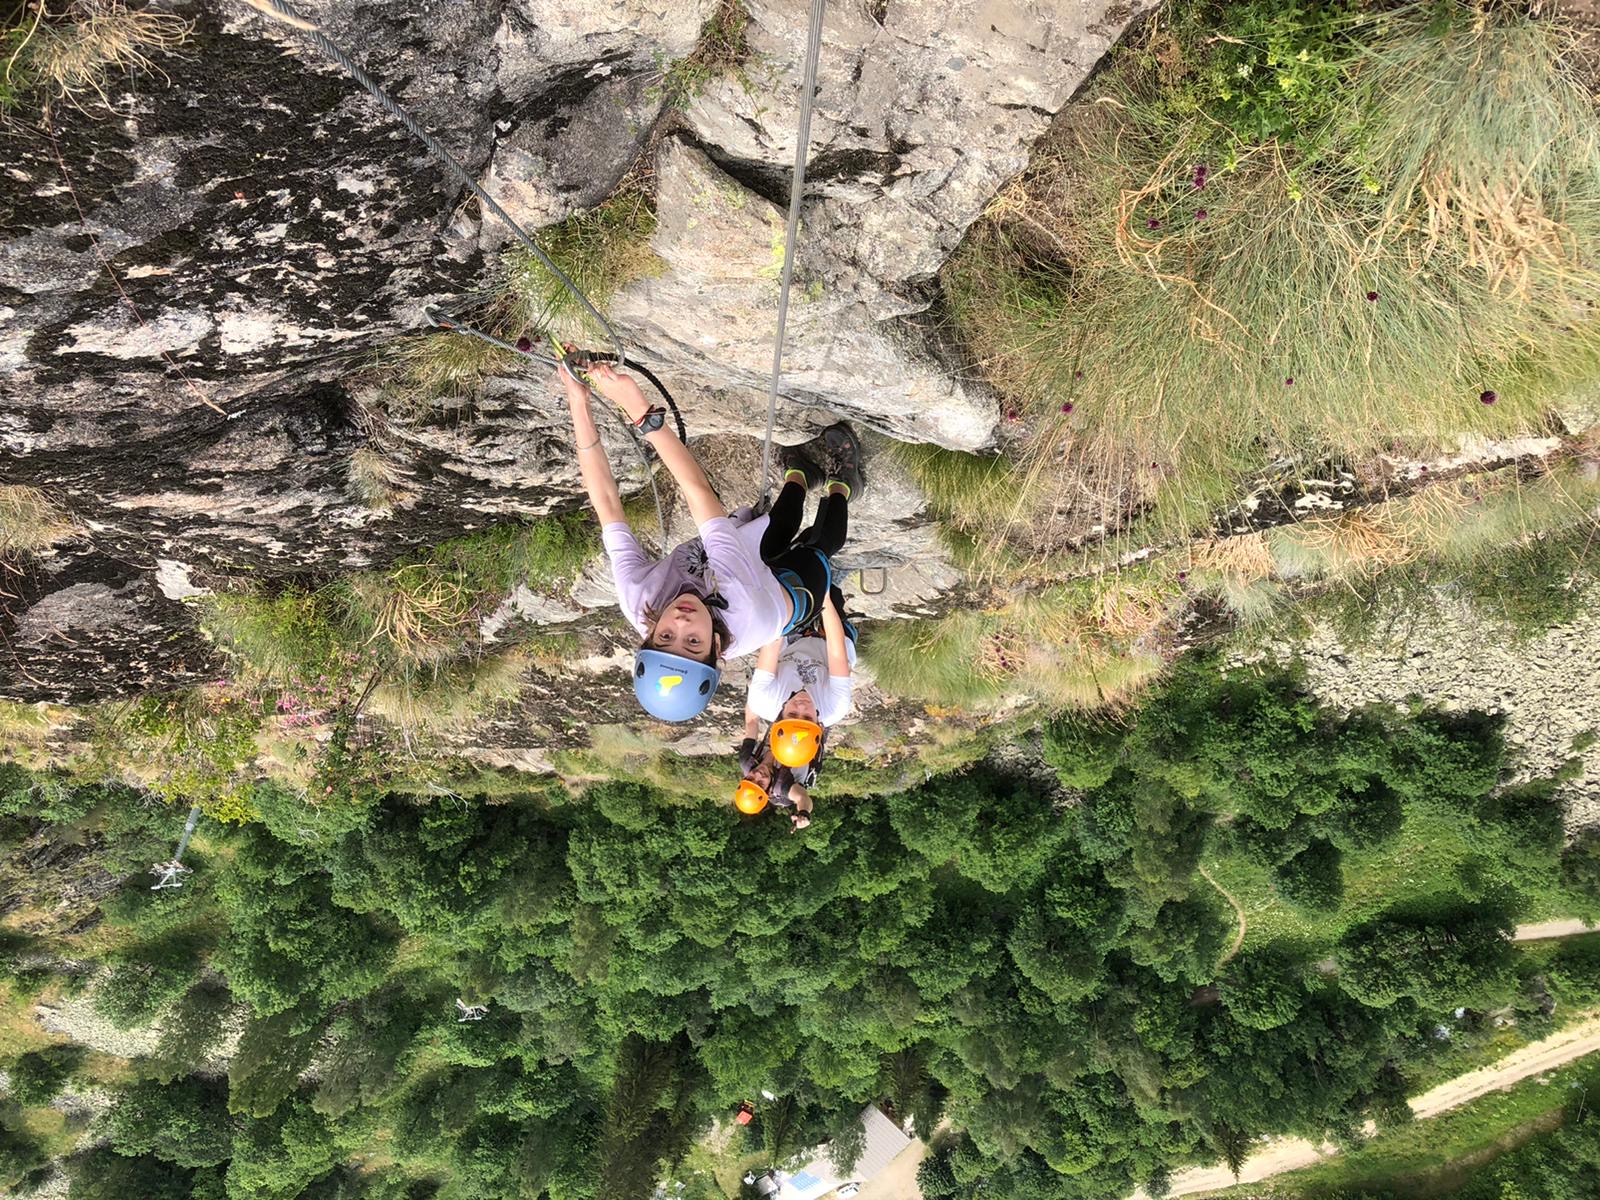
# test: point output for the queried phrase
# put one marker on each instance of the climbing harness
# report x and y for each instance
(802, 149)
(283, 12)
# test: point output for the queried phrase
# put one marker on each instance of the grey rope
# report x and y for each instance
(282, 11)
(802, 147)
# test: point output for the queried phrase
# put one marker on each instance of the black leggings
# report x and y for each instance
(785, 549)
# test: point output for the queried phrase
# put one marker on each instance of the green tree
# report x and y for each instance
(1467, 960)
(1314, 878)
(276, 1158)
(288, 940)
(184, 1122)
(191, 1031)
(147, 977)
(272, 1054)
(38, 1076)
(103, 1174)
(997, 830)
(21, 1153)
(1262, 991)
(1580, 870)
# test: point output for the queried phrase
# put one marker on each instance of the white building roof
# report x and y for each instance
(885, 1141)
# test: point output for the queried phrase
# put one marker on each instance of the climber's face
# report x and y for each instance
(685, 628)
(801, 707)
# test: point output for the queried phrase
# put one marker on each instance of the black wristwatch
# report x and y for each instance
(653, 419)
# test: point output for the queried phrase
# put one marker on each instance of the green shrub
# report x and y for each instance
(194, 747)
(147, 977)
(38, 1076)
(1313, 879)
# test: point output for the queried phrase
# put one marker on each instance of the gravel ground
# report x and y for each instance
(75, 1017)
(1549, 687)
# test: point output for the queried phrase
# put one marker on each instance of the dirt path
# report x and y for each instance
(1541, 931)
(1290, 1154)
(1238, 909)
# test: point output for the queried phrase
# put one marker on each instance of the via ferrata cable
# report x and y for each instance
(283, 12)
(802, 148)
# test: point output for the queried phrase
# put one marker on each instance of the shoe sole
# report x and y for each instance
(842, 435)
(816, 474)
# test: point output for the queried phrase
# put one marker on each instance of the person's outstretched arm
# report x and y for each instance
(593, 464)
(833, 631)
(675, 456)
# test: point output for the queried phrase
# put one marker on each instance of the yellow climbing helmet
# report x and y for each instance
(794, 742)
(749, 797)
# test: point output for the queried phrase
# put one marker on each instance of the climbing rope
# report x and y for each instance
(283, 12)
(802, 147)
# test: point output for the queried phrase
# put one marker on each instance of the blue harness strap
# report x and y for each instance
(799, 595)
(806, 608)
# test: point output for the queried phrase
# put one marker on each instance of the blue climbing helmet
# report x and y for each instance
(671, 687)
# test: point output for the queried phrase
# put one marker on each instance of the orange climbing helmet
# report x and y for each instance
(749, 797)
(795, 743)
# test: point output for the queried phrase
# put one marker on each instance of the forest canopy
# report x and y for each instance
(1031, 949)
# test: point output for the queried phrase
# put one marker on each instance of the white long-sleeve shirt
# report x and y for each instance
(725, 558)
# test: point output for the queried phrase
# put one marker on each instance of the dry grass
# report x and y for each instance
(1464, 521)
(72, 59)
(1362, 542)
(1085, 646)
(415, 614)
(451, 698)
(1180, 339)
(374, 480)
(1246, 558)
(30, 520)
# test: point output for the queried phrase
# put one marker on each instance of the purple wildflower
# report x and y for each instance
(1152, 223)
(1372, 296)
(524, 345)
(1488, 397)
(1288, 381)
(1066, 406)
(1200, 214)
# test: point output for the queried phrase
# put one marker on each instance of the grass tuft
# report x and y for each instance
(420, 372)
(30, 520)
(602, 251)
(401, 623)
(452, 697)
(721, 52)
(971, 493)
(374, 480)
(1084, 646)
(71, 58)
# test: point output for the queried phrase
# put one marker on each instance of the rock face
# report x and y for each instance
(268, 227)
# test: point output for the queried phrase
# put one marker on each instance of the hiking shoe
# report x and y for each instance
(794, 458)
(844, 454)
